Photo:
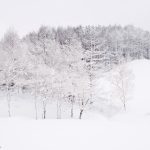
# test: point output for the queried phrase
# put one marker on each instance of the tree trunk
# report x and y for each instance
(124, 105)
(9, 105)
(72, 110)
(44, 114)
(58, 109)
(44, 110)
(81, 113)
(35, 99)
(35, 106)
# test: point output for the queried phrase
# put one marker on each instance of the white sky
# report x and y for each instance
(28, 15)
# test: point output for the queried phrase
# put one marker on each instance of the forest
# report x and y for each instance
(61, 65)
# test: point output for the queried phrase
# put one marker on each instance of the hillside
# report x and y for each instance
(137, 74)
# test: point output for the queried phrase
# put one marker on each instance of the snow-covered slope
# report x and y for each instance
(141, 95)
(138, 101)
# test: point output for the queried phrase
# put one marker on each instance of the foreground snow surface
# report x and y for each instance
(23, 134)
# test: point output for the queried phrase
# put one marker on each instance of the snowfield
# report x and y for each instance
(126, 130)
(18, 134)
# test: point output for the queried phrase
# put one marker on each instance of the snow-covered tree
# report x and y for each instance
(122, 81)
(10, 46)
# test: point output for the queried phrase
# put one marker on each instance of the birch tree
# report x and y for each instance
(122, 81)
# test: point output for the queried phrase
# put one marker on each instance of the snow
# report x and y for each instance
(138, 103)
(126, 130)
(141, 96)
(106, 103)
(21, 134)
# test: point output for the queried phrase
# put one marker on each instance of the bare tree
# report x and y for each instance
(83, 102)
(46, 93)
(71, 100)
(122, 82)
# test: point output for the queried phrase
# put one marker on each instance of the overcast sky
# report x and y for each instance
(28, 15)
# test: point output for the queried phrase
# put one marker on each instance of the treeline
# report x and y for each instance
(108, 45)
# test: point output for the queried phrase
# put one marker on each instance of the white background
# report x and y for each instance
(28, 15)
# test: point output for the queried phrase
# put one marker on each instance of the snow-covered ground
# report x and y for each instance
(18, 134)
(128, 130)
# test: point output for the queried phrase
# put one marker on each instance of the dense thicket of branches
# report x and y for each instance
(109, 45)
(59, 64)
